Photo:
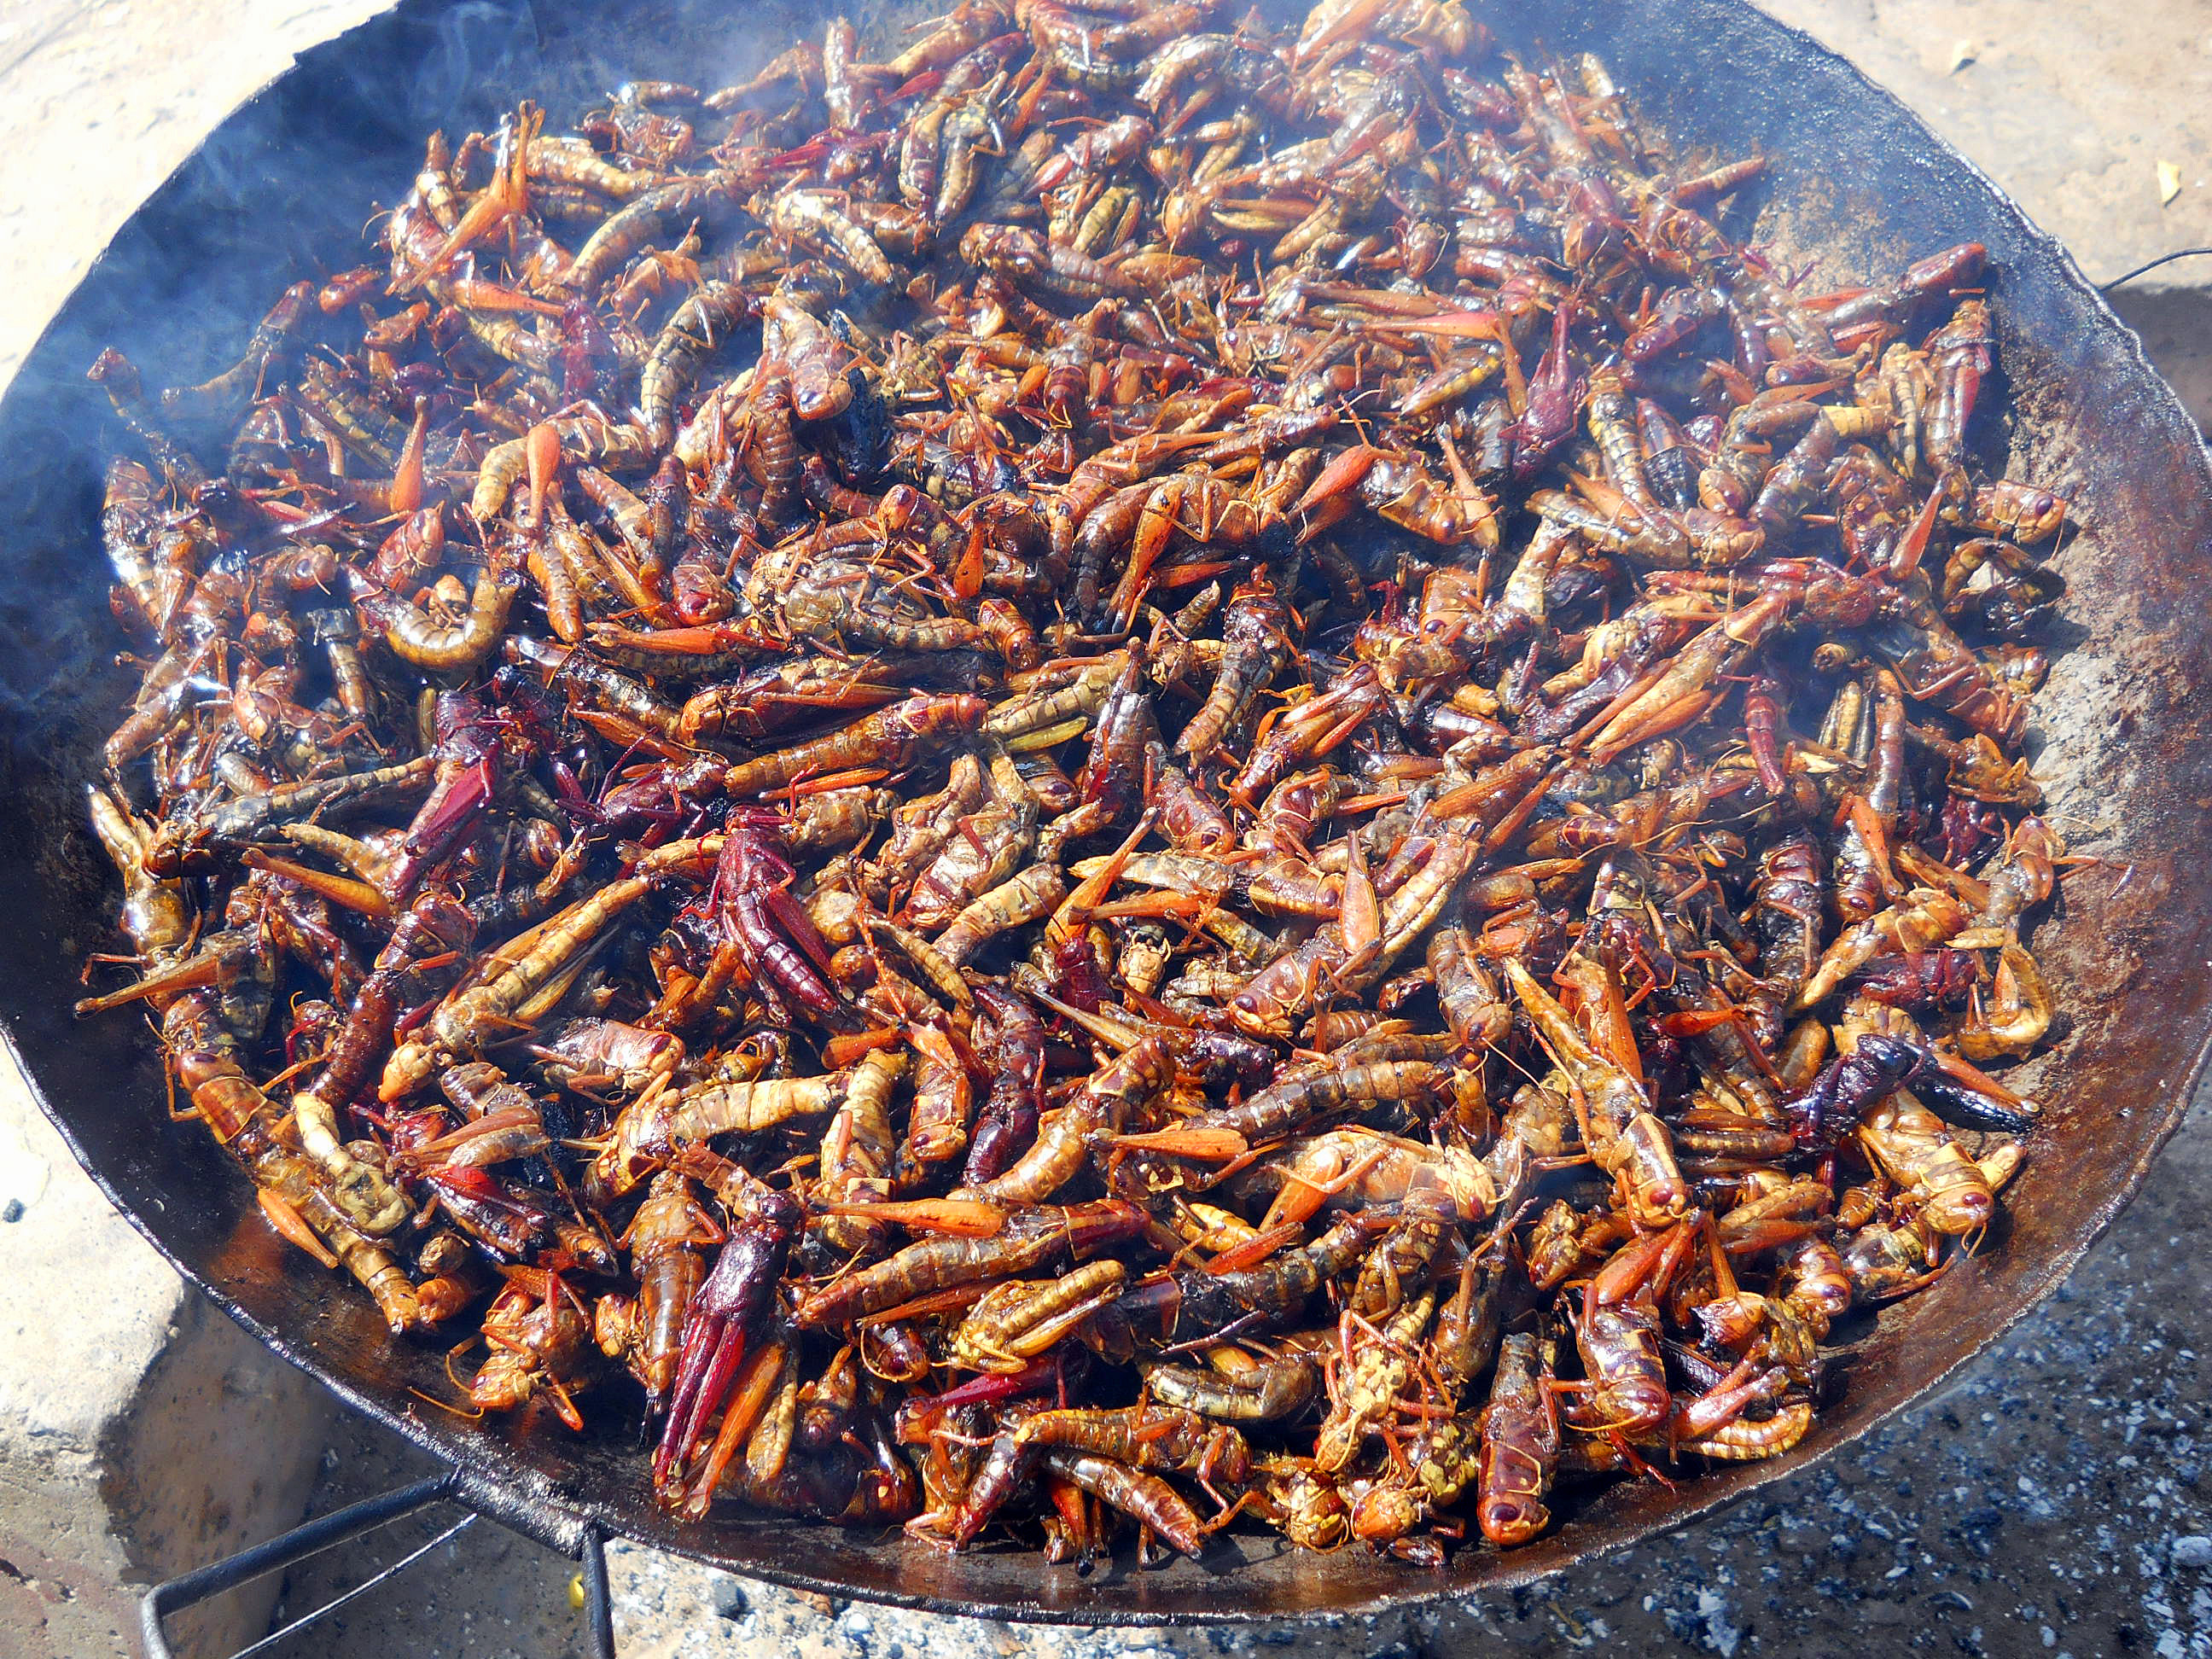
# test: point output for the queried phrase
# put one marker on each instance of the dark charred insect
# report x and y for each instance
(1849, 1086)
(1106, 765)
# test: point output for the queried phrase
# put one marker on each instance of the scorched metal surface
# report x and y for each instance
(282, 190)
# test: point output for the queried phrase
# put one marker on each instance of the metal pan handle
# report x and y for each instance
(311, 1537)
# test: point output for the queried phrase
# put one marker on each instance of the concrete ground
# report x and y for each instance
(2052, 1501)
(2072, 106)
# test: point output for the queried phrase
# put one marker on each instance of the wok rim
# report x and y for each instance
(564, 1523)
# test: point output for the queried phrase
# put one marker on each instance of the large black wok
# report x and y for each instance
(282, 189)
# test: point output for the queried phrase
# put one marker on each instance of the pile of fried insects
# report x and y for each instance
(1126, 770)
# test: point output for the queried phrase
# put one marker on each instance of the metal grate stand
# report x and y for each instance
(311, 1537)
